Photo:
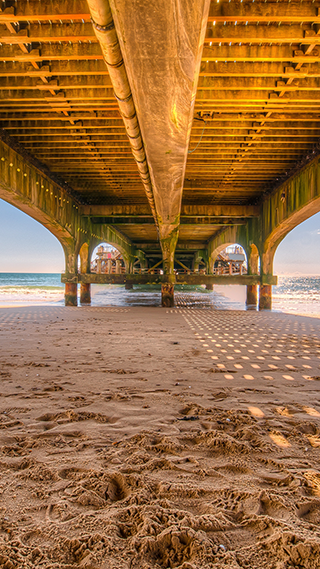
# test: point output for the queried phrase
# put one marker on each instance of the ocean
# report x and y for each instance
(295, 295)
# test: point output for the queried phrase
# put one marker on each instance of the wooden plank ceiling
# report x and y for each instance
(256, 112)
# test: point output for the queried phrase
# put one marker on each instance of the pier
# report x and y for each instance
(168, 139)
(168, 143)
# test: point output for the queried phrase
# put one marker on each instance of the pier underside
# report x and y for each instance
(168, 129)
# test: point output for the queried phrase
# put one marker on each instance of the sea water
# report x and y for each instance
(296, 295)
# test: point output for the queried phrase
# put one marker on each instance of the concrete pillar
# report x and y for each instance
(167, 294)
(168, 246)
(209, 286)
(118, 267)
(211, 262)
(128, 286)
(85, 293)
(109, 265)
(70, 295)
(252, 295)
(265, 299)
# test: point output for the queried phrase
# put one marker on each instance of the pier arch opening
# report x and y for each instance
(297, 264)
(27, 245)
(230, 259)
(106, 259)
(31, 260)
(298, 250)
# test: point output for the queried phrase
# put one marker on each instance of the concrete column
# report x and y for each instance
(128, 286)
(70, 295)
(85, 293)
(265, 299)
(252, 295)
(117, 267)
(209, 286)
(211, 262)
(167, 294)
(109, 265)
(168, 246)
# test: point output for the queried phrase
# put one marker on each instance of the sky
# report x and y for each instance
(28, 247)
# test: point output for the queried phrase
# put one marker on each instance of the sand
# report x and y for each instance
(153, 438)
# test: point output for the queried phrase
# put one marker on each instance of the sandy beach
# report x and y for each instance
(150, 438)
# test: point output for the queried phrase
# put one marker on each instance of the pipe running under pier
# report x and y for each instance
(104, 28)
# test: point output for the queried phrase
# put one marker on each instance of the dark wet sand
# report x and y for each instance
(153, 438)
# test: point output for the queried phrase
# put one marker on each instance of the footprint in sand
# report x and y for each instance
(117, 488)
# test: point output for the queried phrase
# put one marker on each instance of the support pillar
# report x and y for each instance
(209, 286)
(85, 293)
(167, 295)
(211, 262)
(168, 246)
(128, 286)
(70, 295)
(252, 295)
(265, 299)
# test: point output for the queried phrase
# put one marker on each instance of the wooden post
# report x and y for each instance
(167, 294)
(71, 295)
(85, 293)
(209, 286)
(252, 295)
(265, 299)
(128, 286)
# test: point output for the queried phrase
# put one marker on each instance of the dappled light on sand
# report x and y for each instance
(127, 445)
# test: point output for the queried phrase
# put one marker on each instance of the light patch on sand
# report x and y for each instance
(256, 412)
(311, 411)
(280, 440)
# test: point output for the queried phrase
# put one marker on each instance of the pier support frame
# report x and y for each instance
(252, 295)
(209, 286)
(265, 297)
(167, 295)
(168, 246)
(128, 286)
(71, 294)
(85, 293)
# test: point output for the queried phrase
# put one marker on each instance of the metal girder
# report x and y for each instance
(35, 11)
(254, 53)
(286, 33)
(184, 222)
(45, 32)
(264, 12)
(186, 211)
(55, 69)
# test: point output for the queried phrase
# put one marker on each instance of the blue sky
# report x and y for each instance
(27, 247)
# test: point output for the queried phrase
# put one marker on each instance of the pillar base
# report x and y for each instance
(252, 295)
(167, 295)
(71, 295)
(128, 286)
(209, 286)
(85, 293)
(265, 300)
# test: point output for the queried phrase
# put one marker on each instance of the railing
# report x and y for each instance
(114, 271)
(217, 271)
